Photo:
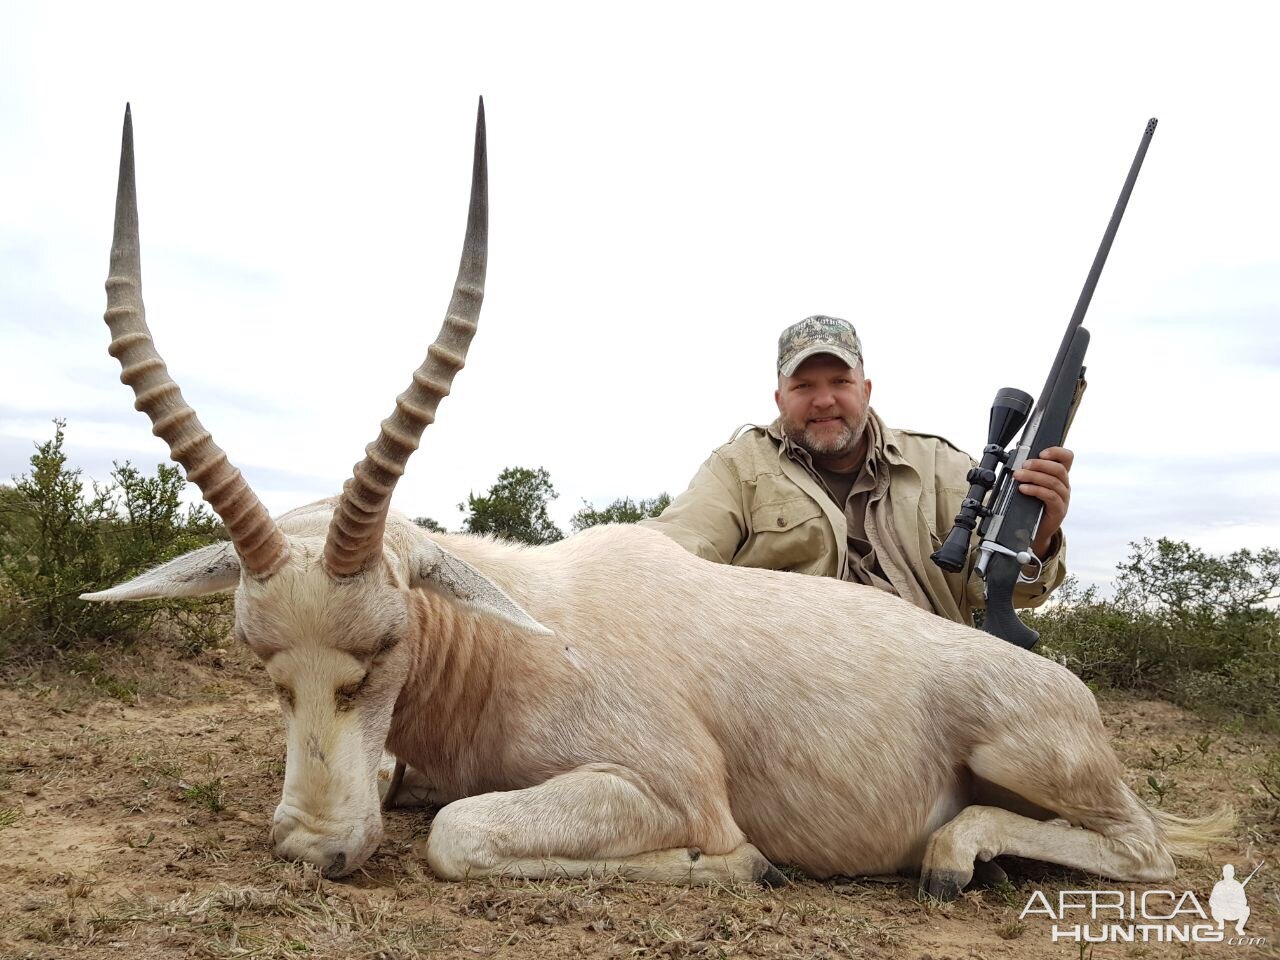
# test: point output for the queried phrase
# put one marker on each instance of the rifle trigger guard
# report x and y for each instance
(1023, 558)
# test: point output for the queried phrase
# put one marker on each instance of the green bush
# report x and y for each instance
(60, 537)
(1198, 629)
(624, 510)
(515, 508)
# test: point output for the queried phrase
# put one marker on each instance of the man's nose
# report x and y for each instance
(824, 398)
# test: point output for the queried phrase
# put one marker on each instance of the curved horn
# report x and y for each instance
(255, 535)
(355, 533)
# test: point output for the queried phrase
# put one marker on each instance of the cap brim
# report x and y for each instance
(789, 368)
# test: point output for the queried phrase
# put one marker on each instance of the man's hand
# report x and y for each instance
(1046, 479)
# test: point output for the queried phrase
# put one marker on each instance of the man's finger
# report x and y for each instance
(1059, 455)
(1056, 480)
(1050, 467)
(1047, 494)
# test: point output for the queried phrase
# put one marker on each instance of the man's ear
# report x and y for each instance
(868, 383)
(210, 569)
(435, 569)
(777, 398)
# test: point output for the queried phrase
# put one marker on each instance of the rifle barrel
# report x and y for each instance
(1100, 259)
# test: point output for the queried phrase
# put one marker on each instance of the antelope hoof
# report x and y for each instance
(942, 885)
(772, 877)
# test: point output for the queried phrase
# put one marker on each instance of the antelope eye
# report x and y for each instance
(345, 696)
(386, 645)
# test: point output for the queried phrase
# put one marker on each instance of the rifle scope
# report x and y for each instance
(1009, 412)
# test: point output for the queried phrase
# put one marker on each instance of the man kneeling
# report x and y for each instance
(828, 489)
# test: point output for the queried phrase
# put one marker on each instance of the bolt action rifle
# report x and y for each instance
(1007, 528)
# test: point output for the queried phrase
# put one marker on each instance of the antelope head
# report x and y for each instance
(327, 609)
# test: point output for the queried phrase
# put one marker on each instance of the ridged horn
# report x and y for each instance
(259, 542)
(355, 532)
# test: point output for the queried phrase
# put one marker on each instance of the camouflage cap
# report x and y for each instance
(814, 335)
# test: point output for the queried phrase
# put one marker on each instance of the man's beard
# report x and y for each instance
(839, 445)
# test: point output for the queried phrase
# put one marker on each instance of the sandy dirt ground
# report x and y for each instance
(136, 792)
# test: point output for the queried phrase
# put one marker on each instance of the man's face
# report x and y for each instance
(824, 406)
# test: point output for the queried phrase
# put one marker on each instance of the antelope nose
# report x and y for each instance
(337, 866)
(320, 851)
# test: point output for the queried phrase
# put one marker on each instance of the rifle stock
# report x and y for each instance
(1010, 530)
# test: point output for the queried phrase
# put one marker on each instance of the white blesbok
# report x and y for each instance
(613, 704)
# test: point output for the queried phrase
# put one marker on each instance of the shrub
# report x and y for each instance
(60, 537)
(624, 510)
(515, 508)
(1191, 627)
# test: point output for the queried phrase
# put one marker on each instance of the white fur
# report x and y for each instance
(677, 705)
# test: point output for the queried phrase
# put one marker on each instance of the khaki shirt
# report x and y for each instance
(752, 505)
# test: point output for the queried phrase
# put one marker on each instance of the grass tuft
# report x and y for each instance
(208, 794)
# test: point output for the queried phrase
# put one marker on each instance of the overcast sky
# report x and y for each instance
(671, 185)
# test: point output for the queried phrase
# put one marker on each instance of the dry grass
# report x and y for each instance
(136, 827)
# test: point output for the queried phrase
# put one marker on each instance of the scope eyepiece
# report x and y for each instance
(952, 555)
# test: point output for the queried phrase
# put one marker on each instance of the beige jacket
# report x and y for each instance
(753, 506)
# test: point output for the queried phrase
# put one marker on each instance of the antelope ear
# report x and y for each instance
(210, 569)
(435, 569)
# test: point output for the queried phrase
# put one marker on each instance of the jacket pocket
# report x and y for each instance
(790, 534)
